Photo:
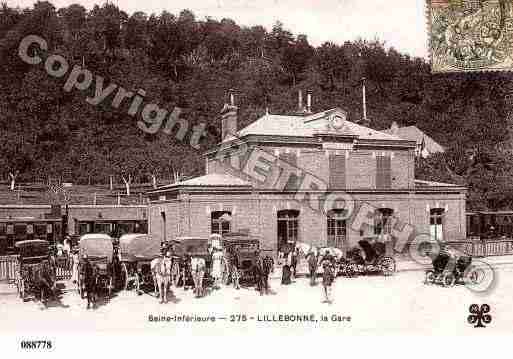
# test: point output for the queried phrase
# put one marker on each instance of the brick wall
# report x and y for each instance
(258, 213)
(359, 170)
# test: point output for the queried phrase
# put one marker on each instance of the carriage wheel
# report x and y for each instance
(109, 286)
(472, 277)
(42, 296)
(21, 289)
(449, 280)
(137, 284)
(430, 277)
(18, 286)
(80, 286)
(124, 276)
(387, 265)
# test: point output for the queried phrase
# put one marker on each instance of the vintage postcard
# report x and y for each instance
(470, 35)
(201, 169)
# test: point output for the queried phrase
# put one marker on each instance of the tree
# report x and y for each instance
(74, 17)
(136, 35)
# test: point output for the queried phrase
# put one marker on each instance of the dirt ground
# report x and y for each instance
(375, 305)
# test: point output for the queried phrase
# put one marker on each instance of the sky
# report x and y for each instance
(399, 23)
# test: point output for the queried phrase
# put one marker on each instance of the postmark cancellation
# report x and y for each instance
(470, 35)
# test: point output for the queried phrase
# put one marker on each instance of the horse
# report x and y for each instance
(198, 271)
(44, 277)
(161, 271)
(258, 274)
(153, 265)
(91, 274)
(267, 269)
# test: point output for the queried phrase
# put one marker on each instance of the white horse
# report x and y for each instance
(335, 252)
(161, 270)
(305, 248)
(198, 271)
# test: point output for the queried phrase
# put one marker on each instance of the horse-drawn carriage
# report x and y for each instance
(244, 249)
(378, 259)
(450, 268)
(35, 273)
(195, 247)
(136, 252)
(99, 250)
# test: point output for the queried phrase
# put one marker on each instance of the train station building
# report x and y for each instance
(304, 178)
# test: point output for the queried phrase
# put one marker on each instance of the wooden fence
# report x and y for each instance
(8, 268)
(63, 273)
(478, 248)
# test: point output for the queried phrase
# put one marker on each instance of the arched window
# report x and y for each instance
(337, 228)
(221, 222)
(288, 225)
(383, 221)
(436, 222)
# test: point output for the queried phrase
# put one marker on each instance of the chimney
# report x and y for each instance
(300, 102)
(394, 128)
(229, 117)
(364, 97)
(309, 102)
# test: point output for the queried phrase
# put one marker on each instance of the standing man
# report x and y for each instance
(90, 282)
(217, 261)
(294, 261)
(67, 249)
(198, 272)
(328, 277)
(234, 268)
(311, 257)
(258, 271)
(268, 266)
(187, 271)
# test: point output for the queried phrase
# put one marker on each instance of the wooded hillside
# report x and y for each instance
(180, 60)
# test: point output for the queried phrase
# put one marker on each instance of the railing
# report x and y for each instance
(484, 248)
(8, 268)
(63, 273)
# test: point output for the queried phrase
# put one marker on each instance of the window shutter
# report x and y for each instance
(383, 172)
(291, 159)
(379, 172)
(387, 172)
(337, 171)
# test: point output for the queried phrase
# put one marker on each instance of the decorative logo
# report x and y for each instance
(336, 122)
(479, 315)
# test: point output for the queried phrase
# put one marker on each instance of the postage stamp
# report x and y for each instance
(470, 35)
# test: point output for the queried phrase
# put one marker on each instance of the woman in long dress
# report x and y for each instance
(74, 267)
(286, 273)
(217, 267)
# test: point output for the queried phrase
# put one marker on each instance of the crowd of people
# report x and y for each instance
(222, 267)
(314, 259)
